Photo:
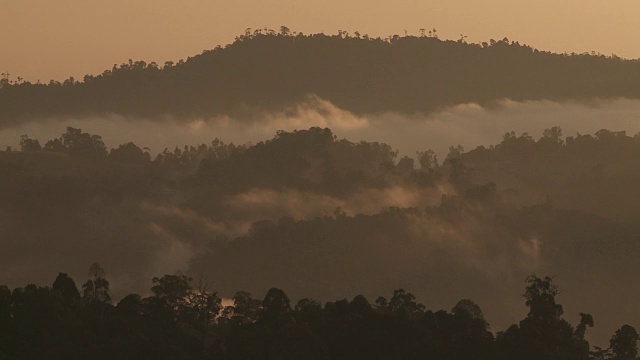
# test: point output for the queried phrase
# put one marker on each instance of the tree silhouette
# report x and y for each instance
(29, 145)
(83, 144)
(172, 290)
(466, 307)
(276, 306)
(624, 343)
(96, 289)
(540, 298)
(66, 288)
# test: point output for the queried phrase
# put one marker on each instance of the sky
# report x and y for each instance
(45, 39)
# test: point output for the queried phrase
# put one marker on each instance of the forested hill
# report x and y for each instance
(268, 70)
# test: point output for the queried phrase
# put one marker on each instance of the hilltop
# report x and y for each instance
(265, 70)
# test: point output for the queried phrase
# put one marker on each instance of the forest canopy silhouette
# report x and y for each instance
(326, 217)
(266, 70)
(180, 321)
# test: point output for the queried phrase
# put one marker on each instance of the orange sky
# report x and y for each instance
(44, 39)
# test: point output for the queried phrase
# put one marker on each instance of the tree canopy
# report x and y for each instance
(40, 322)
(266, 70)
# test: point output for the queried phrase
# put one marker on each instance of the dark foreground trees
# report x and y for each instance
(543, 334)
(180, 322)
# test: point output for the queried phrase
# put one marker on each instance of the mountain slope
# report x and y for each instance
(268, 71)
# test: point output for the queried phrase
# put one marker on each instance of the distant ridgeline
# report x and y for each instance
(180, 322)
(267, 70)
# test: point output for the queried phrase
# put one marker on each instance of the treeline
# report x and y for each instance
(73, 196)
(266, 70)
(307, 160)
(595, 173)
(327, 218)
(179, 321)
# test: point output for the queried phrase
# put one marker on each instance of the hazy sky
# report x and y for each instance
(44, 39)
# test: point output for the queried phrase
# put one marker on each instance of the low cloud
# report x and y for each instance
(260, 204)
(469, 125)
(137, 239)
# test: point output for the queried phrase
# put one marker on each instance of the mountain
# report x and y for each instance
(265, 70)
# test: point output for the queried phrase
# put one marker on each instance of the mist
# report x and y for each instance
(410, 173)
(167, 230)
(469, 125)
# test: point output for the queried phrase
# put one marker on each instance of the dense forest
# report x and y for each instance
(266, 70)
(323, 217)
(183, 321)
(328, 218)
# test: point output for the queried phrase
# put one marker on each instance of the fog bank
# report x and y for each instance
(469, 125)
